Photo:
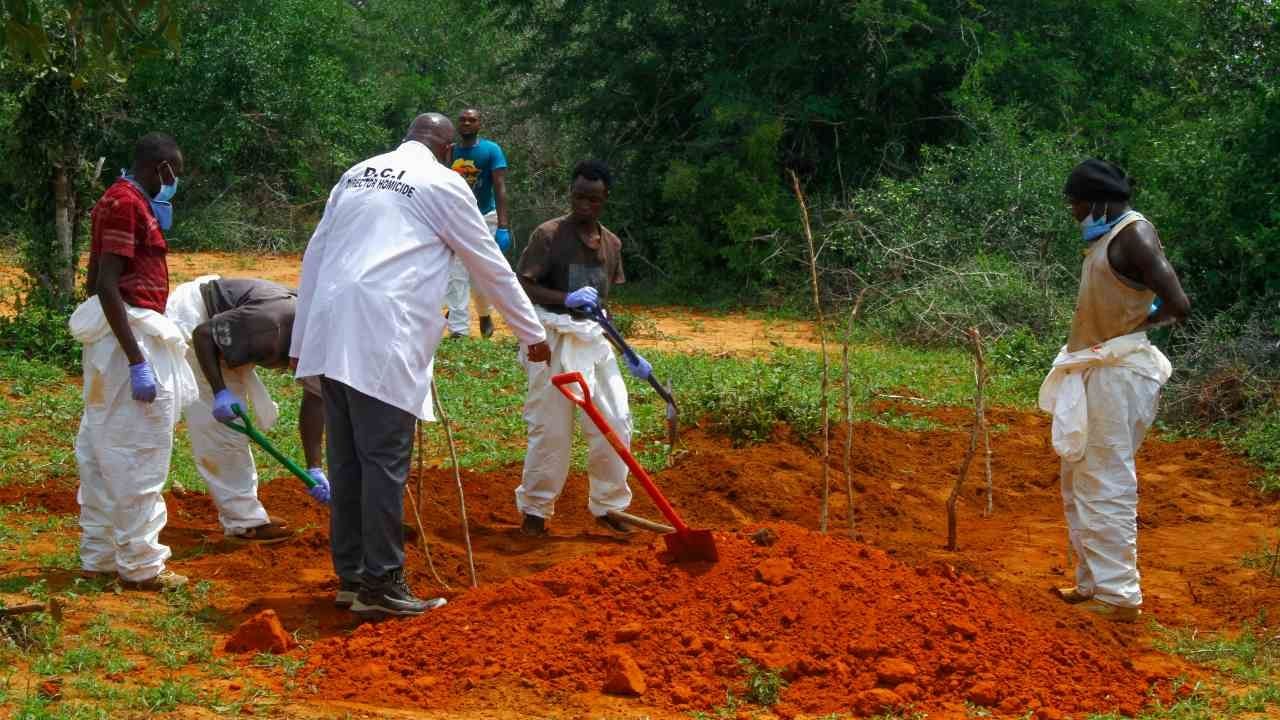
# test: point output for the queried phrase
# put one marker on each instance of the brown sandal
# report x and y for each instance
(265, 534)
(1070, 595)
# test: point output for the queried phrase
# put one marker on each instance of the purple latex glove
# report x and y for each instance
(222, 402)
(640, 369)
(584, 299)
(321, 491)
(142, 382)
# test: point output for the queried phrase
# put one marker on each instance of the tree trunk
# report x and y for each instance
(64, 275)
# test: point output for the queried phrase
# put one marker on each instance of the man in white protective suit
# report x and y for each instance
(136, 378)
(368, 324)
(233, 325)
(1105, 384)
(567, 269)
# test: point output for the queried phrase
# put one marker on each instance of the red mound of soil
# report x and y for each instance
(844, 623)
(260, 633)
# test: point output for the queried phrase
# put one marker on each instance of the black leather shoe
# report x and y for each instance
(486, 326)
(347, 591)
(390, 595)
(533, 526)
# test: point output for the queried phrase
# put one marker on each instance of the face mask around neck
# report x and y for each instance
(1095, 226)
(160, 205)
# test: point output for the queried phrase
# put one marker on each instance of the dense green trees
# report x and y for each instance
(945, 127)
(61, 78)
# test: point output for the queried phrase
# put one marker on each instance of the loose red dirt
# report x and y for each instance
(839, 619)
(849, 619)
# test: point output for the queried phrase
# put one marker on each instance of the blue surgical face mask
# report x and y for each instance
(160, 206)
(163, 212)
(167, 191)
(1094, 227)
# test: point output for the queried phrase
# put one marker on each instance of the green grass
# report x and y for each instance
(483, 387)
(1252, 655)
(169, 633)
(764, 685)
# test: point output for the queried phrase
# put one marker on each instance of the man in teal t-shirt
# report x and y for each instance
(481, 163)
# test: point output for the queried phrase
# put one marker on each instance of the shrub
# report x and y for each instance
(748, 406)
(40, 332)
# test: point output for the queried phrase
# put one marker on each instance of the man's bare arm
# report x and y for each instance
(209, 357)
(1140, 258)
(500, 196)
(311, 428)
(540, 295)
(109, 269)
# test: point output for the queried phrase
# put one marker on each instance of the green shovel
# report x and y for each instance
(256, 435)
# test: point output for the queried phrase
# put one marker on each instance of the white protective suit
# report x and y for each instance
(1103, 399)
(459, 291)
(374, 275)
(124, 446)
(575, 345)
(222, 455)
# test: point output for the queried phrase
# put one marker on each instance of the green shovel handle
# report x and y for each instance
(248, 429)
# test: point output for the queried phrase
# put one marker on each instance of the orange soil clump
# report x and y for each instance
(260, 633)
(847, 625)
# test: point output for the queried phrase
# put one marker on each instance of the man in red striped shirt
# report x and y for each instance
(134, 380)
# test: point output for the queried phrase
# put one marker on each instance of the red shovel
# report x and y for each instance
(684, 544)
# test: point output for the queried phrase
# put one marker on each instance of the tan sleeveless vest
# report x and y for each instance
(1107, 306)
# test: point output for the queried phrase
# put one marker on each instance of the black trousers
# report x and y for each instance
(369, 445)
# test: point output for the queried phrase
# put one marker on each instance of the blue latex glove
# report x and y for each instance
(222, 403)
(640, 369)
(502, 236)
(321, 491)
(584, 299)
(142, 382)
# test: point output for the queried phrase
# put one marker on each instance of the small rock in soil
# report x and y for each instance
(622, 675)
(260, 633)
(764, 537)
(775, 571)
(895, 671)
(876, 701)
(627, 633)
(984, 693)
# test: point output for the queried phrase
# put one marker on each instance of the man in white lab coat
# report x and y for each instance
(368, 322)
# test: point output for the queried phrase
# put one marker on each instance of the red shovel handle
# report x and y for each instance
(563, 382)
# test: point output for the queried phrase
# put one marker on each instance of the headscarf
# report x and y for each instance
(1097, 180)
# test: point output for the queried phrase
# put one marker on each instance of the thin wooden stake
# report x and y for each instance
(457, 477)
(979, 384)
(986, 445)
(417, 514)
(822, 340)
(848, 415)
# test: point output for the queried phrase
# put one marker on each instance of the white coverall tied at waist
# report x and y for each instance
(124, 446)
(459, 292)
(1103, 399)
(576, 345)
(222, 455)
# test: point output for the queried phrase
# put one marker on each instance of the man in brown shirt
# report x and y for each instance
(1105, 385)
(568, 269)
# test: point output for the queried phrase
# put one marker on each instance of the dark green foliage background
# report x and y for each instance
(931, 137)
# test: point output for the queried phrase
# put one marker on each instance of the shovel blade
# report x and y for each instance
(692, 546)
